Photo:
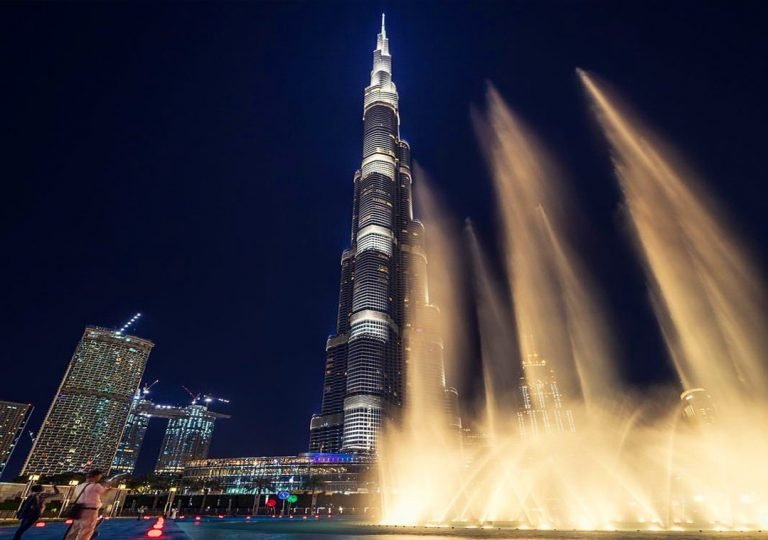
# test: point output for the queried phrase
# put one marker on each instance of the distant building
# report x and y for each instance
(13, 419)
(475, 445)
(187, 435)
(331, 473)
(86, 419)
(698, 406)
(133, 435)
(541, 408)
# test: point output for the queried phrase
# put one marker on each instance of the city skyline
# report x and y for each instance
(209, 290)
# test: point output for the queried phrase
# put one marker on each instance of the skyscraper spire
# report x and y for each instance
(383, 29)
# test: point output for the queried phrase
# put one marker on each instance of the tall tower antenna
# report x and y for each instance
(129, 323)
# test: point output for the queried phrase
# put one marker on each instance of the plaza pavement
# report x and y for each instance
(111, 529)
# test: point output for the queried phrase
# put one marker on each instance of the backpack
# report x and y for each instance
(30, 508)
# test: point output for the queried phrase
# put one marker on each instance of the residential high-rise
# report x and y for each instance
(187, 437)
(13, 419)
(86, 419)
(383, 298)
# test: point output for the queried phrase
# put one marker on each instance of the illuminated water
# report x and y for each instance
(561, 443)
(297, 530)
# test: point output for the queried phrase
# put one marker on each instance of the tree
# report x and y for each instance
(313, 483)
(208, 486)
(259, 485)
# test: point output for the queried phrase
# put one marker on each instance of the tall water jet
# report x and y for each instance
(707, 297)
(634, 461)
(559, 320)
(427, 441)
(710, 304)
(497, 344)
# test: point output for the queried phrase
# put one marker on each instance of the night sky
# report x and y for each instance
(194, 162)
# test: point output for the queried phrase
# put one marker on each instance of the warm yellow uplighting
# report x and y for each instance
(656, 461)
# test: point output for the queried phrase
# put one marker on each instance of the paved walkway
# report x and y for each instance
(112, 529)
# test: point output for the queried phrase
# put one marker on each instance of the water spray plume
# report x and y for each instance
(566, 445)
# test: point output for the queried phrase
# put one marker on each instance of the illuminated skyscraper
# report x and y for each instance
(541, 403)
(187, 437)
(383, 286)
(13, 419)
(133, 435)
(86, 419)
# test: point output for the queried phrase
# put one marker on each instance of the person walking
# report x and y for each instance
(32, 508)
(87, 503)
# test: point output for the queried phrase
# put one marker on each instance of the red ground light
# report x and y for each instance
(40, 524)
(68, 522)
(154, 533)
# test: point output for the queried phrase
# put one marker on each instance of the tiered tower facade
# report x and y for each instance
(383, 284)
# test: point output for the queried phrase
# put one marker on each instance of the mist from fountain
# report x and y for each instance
(561, 442)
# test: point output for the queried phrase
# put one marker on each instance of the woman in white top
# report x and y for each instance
(88, 496)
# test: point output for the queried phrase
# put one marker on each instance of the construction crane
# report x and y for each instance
(206, 398)
(146, 388)
(129, 323)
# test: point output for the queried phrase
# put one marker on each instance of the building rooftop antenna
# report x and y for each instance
(129, 323)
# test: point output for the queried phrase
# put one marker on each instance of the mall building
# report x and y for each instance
(321, 472)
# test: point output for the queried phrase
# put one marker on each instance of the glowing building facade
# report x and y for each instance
(541, 408)
(86, 419)
(13, 419)
(187, 437)
(133, 435)
(383, 285)
(331, 473)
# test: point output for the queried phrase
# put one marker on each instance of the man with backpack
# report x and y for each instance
(32, 508)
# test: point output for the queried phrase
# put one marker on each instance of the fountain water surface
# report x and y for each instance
(561, 442)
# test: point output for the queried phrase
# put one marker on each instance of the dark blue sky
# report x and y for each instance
(194, 162)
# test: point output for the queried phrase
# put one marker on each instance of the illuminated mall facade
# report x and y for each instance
(329, 473)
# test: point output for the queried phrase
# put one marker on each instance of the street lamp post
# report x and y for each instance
(72, 485)
(171, 496)
(117, 504)
(32, 479)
